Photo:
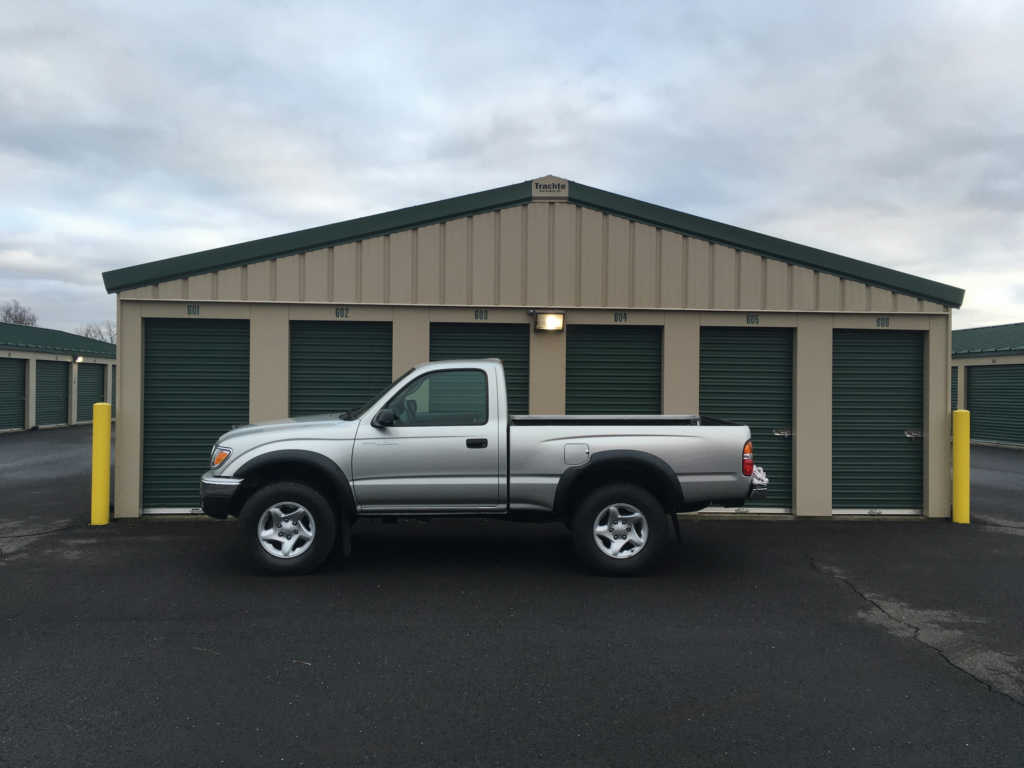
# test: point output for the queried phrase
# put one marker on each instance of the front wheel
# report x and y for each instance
(620, 529)
(288, 528)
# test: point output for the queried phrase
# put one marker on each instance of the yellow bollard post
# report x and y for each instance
(962, 467)
(100, 464)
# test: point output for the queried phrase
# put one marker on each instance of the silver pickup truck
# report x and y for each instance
(439, 442)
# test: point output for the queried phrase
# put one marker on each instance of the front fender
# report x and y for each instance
(322, 466)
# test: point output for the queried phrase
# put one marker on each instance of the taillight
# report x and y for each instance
(748, 458)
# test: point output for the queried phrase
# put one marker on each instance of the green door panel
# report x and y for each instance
(51, 392)
(12, 393)
(995, 398)
(954, 383)
(612, 369)
(90, 388)
(335, 366)
(195, 387)
(746, 376)
(877, 397)
(509, 342)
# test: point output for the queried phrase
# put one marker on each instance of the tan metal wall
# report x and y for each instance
(812, 454)
(543, 254)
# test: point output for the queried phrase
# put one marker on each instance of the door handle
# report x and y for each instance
(782, 433)
(912, 434)
(476, 442)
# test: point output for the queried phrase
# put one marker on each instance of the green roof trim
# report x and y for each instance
(989, 340)
(29, 338)
(517, 194)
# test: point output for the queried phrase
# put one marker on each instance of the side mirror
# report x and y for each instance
(385, 418)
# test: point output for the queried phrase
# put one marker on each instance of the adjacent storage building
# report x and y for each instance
(51, 378)
(840, 367)
(988, 376)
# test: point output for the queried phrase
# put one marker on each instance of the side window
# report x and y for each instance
(442, 399)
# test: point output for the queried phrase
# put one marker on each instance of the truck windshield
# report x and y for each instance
(351, 414)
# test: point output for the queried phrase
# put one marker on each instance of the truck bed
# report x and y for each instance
(704, 455)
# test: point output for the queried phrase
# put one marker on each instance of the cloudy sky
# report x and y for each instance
(889, 132)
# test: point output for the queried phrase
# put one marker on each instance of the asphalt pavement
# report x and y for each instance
(997, 485)
(484, 643)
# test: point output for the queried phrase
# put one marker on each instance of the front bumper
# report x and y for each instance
(216, 494)
(758, 483)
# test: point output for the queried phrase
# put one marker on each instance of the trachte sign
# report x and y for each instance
(551, 187)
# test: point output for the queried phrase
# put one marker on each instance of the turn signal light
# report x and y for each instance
(219, 457)
(748, 458)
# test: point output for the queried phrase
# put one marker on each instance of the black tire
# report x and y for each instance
(652, 517)
(290, 496)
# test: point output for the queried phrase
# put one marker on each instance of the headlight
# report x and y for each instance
(218, 456)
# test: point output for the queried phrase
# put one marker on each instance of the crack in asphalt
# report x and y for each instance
(902, 627)
(38, 533)
(13, 548)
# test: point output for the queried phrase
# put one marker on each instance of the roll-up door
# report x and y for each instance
(746, 376)
(509, 342)
(995, 398)
(195, 387)
(613, 369)
(954, 384)
(335, 366)
(12, 393)
(877, 420)
(51, 392)
(90, 388)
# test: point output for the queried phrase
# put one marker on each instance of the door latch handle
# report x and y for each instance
(912, 434)
(782, 433)
(476, 442)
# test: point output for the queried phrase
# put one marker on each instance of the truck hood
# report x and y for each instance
(325, 425)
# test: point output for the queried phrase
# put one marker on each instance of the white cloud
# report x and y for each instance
(133, 132)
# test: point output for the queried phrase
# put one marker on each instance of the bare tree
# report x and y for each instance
(105, 331)
(14, 311)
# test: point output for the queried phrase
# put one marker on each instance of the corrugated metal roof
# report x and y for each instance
(518, 194)
(991, 339)
(29, 338)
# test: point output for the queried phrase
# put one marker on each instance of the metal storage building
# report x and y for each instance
(988, 373)
(841, 367)
(51, 378)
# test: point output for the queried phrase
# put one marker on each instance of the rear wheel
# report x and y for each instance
(288, 528)
(620, 529)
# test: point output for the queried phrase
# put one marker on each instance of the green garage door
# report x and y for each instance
(335, 366)
(12, 393)
(509, 342)
(90, 388)
(195, 387)
(954, 383)
(746, 376)
(51, 392)
(613, 369)
(877, 419)
(995, 398)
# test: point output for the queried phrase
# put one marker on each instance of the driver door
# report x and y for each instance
(440, 455)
